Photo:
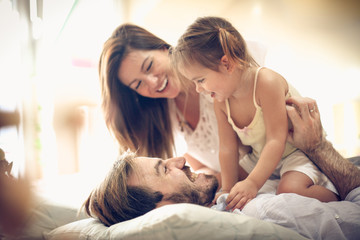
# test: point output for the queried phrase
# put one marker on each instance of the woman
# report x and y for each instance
(146, 107)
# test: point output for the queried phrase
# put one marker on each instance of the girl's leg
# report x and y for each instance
(300, 183)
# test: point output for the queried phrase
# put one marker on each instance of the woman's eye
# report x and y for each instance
(137, 85)
(149, 67)
(165, 169)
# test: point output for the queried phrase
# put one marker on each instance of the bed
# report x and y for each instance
(178, 221)
(52, 220)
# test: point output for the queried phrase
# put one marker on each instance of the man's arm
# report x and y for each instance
(308, 136)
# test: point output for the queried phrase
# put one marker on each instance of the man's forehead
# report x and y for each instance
(141, 163)
(149, 160)
(144, 170)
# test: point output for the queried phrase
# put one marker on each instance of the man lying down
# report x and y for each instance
(137, 185)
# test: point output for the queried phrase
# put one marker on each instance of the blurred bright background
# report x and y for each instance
(49, 51)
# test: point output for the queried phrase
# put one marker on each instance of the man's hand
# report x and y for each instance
(308, 136)
(240, 194)
(307, 133)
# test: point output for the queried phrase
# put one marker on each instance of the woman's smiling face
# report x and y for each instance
(148, 72)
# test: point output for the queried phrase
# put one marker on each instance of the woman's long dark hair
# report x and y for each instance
(138, 123)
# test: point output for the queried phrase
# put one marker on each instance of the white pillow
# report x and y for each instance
(176, 221)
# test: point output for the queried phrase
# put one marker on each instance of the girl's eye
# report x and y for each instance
(137, 85)
(201, 80)
(165, 169)
(149, 67)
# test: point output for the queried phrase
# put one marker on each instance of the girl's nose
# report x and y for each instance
(177, 162)
(199, 88)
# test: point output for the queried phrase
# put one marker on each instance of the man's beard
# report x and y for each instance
(201, 195)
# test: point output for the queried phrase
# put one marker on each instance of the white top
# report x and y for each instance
(201, 143)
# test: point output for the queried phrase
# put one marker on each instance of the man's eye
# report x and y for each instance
(137, 85)
(149, 67)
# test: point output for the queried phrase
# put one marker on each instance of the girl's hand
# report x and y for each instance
(217, 195)
(241, 194)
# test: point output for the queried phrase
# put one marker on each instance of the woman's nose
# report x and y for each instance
(152, 80)
(177, 162)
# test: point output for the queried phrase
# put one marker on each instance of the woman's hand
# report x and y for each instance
(241, 194)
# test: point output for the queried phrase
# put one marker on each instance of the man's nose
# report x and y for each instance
(177, 162)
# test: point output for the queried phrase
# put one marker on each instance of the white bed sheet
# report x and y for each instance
(177, 221)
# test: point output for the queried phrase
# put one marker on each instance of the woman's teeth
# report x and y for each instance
(163, 86)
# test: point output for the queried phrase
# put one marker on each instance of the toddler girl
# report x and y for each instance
(250, 110)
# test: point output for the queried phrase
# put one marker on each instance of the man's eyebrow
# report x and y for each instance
(157, 166)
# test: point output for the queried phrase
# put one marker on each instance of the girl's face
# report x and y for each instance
(148, 72)
(219, 84)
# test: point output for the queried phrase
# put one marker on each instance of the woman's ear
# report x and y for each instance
(229, 65)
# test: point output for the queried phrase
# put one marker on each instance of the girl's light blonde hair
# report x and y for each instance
(206, 41)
